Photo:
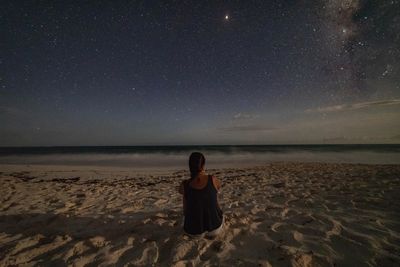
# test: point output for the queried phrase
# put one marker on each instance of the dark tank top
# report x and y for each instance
(202, 212)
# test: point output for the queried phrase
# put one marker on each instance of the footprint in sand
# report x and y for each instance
(215, 247)
(298, 236)
(27, 243)
(182, 250)
(160, 202)
(149, 255)
(128, 209)
(98, 241)
(29, 256)
(67, 206)
(275, 226)
(78, 249)
(336, 229)
(160, 221)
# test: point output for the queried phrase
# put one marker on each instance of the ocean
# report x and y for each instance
(217, 156)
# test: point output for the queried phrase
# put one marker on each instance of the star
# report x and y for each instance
(248, 62)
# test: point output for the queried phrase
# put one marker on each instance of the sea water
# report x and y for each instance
(176, 157)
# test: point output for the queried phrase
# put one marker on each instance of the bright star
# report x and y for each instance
(226, 17)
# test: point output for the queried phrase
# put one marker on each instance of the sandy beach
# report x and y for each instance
(278, 214)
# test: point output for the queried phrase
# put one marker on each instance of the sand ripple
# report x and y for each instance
(281, 214)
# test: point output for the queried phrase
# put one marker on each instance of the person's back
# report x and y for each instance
(202, 212)
(201, 209)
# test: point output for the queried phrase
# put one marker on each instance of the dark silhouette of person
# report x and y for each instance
(200, 204)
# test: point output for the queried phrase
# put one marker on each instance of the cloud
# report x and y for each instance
(244, 116)
(354, 106)
(246, 128)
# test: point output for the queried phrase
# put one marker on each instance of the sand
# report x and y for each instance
(279, 214)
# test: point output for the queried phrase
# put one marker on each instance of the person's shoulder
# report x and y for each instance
(182, 185)
(216, 181)
(184, 182)
(214, 177)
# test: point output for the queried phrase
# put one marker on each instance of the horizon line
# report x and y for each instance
(204, 145)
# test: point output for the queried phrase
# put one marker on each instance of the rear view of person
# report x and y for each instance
(200, 203)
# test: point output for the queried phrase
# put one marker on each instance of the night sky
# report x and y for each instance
(199, 72)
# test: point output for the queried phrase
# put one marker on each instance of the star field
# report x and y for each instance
(199, 72)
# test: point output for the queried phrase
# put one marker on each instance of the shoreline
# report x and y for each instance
(4, 167)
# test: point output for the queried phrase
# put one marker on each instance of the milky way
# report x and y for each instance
(199, 72)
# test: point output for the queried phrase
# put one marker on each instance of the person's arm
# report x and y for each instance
(217, 185)
(181, 189)
(216, 182)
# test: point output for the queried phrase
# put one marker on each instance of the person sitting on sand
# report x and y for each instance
(201, 210)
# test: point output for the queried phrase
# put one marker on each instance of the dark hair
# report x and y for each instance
(196, 162)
